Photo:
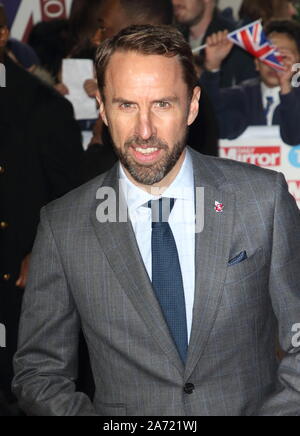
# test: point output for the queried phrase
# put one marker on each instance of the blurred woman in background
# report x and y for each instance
(77, 37)
(85, 31)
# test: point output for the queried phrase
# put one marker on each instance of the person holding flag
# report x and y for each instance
(270, 99)
(198, 19)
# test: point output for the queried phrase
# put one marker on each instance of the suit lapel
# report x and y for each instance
(119, 244)
(212, 255)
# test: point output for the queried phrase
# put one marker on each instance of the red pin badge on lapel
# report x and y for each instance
(219, 207)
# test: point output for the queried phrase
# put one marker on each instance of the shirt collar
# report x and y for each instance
(181, 188)
(270, 92)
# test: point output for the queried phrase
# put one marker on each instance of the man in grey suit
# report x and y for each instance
(178, 321)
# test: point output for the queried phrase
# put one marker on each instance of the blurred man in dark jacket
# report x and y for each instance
(40, 155)
(199, 19)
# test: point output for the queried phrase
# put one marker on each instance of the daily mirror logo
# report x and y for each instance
(260, 156)
(24, 14)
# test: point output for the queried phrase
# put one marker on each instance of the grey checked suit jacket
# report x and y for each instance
(88, 274)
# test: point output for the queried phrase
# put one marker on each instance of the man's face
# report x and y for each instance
(147, 109)
(283, 42)
(189, 12)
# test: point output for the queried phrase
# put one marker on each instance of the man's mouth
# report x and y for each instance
(146, 151)
(146, 154)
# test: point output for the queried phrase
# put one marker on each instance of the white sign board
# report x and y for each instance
(264, 147)
(74, 73)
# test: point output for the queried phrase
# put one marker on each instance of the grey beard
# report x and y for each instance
(151, 174)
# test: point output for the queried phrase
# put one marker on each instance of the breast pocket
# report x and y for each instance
(247, 268)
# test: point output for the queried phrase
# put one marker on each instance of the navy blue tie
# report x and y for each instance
(166, 274)
(270, 101)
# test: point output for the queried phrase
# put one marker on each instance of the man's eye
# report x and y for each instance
(126, 106)
(163, 104)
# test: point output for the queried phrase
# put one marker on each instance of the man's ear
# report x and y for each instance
(101, 107)
(194, 106)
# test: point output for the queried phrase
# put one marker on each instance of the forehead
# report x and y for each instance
(283, 41)
(134, 72)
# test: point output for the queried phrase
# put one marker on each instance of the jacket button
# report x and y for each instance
(2, 170)
(189, 388)
(3, 225)
(6, 277)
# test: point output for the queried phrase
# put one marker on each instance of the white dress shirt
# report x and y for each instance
(274, 93)
(182, 223)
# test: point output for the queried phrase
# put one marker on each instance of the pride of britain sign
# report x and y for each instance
(23, 14)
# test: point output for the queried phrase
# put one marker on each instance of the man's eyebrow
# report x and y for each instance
(122, 101)
(171, 99)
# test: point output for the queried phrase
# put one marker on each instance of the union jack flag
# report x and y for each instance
(252, 38)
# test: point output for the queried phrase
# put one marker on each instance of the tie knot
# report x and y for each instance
(270, 101)
(161, 209)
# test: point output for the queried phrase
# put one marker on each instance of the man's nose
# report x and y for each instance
(145, 128)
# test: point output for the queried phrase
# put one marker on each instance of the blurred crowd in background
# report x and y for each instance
(42, 151)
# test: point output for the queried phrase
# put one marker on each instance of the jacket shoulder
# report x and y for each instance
(74, 208)
(237, 170)
(251, 83)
